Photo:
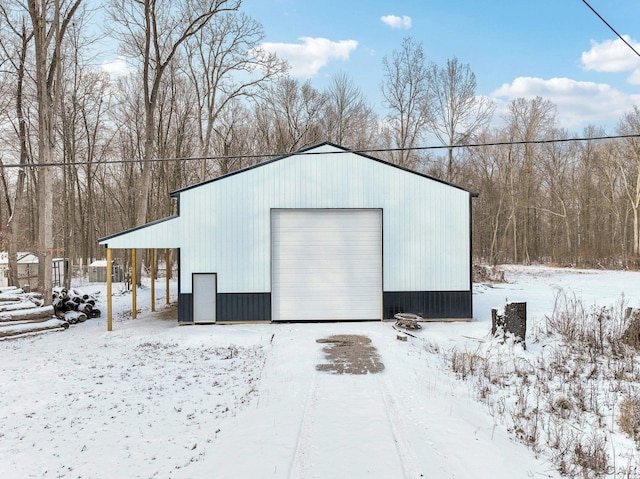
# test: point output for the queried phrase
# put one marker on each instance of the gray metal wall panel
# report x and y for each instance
(429, 304)
(243, 307)
(230, 307)
(185, 308)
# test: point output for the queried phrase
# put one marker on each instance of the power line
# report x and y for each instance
(612, 29)
(364, 151)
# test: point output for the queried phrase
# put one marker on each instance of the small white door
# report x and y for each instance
(204, 297)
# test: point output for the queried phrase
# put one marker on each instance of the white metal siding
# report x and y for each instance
(426, 223)
(164, 234)
(326, 265)
(426, 233)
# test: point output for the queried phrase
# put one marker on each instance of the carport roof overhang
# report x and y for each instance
(164, 233)
(161, 234)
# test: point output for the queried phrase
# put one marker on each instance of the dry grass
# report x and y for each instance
(629, 419)
(562, 401)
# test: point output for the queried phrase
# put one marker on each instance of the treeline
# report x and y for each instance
(84, 154)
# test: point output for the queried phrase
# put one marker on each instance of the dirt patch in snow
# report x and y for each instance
(350, 354)
(169, 312)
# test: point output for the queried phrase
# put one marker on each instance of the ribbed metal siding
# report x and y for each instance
(426, 223)
(230, 307)
(326, 264)
(429, 304)
(185, 308)
(243, 307)
(163, 234)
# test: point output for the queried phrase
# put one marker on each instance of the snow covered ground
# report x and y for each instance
(154, 399)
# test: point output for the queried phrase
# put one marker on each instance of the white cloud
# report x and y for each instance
(396, 22)
(613, 56)
(117, 67)
(578, 103)
(308, 58)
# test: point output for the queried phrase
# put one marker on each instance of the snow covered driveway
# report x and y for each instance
(411, 420)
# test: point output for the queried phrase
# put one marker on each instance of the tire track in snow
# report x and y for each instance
(408, 458)
(299, 465)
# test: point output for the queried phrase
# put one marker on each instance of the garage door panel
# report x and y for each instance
(326, 264)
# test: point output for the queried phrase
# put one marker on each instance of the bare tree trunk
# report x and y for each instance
(636, 236)
(47, 46)
(13, 229)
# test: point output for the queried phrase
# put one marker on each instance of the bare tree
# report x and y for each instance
(128, 115)
(456, 112)
(177, 119)
(49, 21)
(349, 120)
(407, 97)
(226, 63)
(15, 52)
(527, 120)
(289, 115)
(489, 170)
(556, 175)
(628, 153)
(154, 32)
(85, 134)
(232, 138)
(591, 211)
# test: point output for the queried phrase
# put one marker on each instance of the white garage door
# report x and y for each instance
(326, 265)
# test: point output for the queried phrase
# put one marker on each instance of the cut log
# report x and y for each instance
(35, 327)
(71, 305)
(10, 297)
(74, 317)
(85, 308)
(15, 306)
(37, 301)
(33, 313)
(512, 320)
(8, 289)
(59, 305)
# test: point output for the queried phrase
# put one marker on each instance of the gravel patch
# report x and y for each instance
(350, 354)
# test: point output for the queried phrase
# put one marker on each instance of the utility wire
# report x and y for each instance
(275, 155)
(612, 29)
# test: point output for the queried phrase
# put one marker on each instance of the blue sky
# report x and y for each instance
(557, 49)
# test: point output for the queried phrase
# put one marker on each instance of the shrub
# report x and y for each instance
(629, 419)
(591, 457)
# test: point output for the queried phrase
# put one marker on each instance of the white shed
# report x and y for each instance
(321, 234)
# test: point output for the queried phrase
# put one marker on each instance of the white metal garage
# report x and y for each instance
(326, 264)
(322, 234)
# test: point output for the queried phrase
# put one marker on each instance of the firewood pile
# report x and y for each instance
(74, 306)
(23, 313)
